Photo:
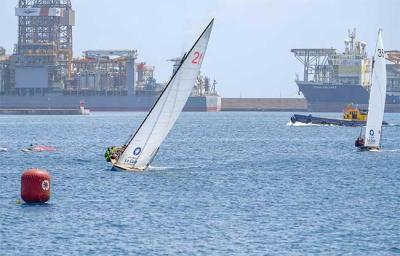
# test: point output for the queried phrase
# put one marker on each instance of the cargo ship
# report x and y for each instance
(42, 72)
(333, 80)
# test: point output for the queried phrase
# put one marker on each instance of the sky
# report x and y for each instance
(249, 50)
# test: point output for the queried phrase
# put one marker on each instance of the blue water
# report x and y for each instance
(222, 184)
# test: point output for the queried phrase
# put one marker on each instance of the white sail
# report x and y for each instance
(144, 144)
(377, 97)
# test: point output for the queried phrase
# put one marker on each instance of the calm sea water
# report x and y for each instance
(222, 184)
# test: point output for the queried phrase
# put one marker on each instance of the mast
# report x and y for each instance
(144, 143)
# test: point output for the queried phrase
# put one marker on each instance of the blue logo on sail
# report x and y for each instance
(371, 132)
(137, 151)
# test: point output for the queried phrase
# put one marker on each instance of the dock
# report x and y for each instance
(76, 111)
(264, 104)
(228, 104)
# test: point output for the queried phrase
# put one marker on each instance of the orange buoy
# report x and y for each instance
(35, 186)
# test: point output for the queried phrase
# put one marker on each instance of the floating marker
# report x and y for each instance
(35, 186)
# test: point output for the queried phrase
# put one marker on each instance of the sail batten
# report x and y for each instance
(377, 97)
(145, 142)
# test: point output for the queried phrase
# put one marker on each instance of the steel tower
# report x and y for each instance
(45, 39)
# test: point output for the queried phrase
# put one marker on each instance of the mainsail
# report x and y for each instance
(144, 144)
(377, 97)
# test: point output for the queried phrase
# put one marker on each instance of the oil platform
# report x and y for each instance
(42, 72)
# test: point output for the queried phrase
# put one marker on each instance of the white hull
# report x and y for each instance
(127, 169)
(370, 149)
(124, 167)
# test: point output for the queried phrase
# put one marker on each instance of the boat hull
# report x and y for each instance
(309, 119)
(116, 167)
(335, 97)
(363, 149)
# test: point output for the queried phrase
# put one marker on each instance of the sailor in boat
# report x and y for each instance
(30, 148)
(113, 153)
(108, 153)
(359, 142)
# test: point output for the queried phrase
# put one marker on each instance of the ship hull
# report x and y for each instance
(104, 103)
(335, 97)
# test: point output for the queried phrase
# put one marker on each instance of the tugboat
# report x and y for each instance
(352, 113)
(352, 116)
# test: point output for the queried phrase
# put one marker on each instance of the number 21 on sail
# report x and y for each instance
(197, 57)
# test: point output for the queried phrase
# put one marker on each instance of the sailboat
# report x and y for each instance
(38, 148)
(143, 145)
(370, 140)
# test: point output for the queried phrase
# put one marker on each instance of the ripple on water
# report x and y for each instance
(222, 183)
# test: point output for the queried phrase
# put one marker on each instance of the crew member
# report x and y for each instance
(359, 142)
(108, 153)
(114, 152)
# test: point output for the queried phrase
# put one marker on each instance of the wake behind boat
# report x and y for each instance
(370, 138)
(143, 145)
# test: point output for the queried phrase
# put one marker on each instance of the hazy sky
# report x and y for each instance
(249, 51)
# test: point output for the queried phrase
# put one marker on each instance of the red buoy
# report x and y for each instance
(35, 186)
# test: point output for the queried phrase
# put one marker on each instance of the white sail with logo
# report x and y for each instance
(143, 145)
(377, 97)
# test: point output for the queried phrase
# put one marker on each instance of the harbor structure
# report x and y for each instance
(332, 80)
(42, 72)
